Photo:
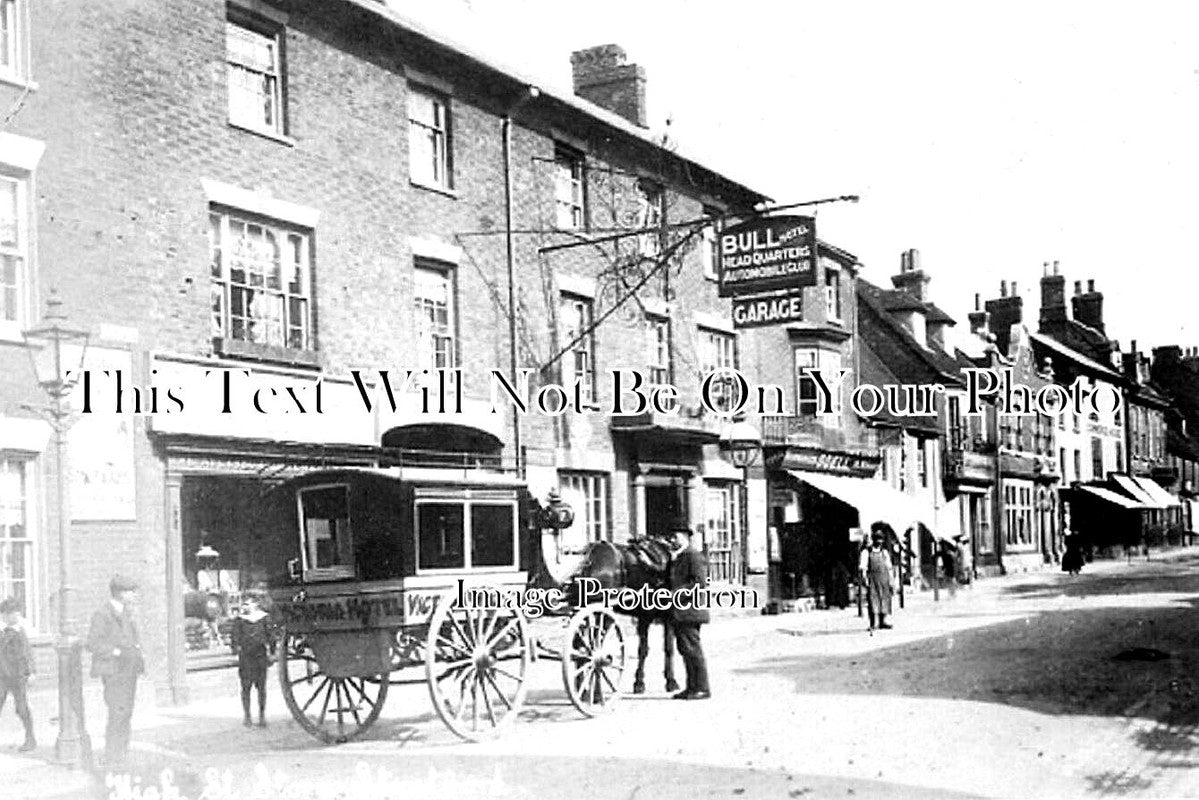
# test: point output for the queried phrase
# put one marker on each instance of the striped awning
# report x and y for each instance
(1154, 490)
(1112, 497)
(1133, 489)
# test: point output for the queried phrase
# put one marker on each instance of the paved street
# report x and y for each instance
(1036, 685)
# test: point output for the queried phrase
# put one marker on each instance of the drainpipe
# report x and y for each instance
(530, 93)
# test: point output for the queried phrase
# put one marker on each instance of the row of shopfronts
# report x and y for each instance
(220, 261)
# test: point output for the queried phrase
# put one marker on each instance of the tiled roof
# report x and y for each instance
(1061, 350)
(911, 361)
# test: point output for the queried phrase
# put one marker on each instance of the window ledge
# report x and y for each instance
(12, 79)
(264, 133)
(235, 348)
(432, 187)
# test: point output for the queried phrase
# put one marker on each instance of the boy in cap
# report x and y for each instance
(253, 641)
(117, 660)
(16, 667)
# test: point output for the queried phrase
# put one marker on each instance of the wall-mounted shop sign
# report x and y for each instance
(758, 311)
(766, 254)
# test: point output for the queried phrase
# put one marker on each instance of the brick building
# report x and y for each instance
(285, 192)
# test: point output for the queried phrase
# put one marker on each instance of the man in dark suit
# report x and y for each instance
(689, 570)
(117, 660)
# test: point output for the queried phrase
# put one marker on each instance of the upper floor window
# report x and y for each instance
(922, 462)
(832, 292)
(570, 198)
(711, 239)
(255, 61)
(434, 291)
(578, 314)
(14, 249)
(12, 40)
(649, 219)
(1097, 472)
(429, 138)
(657, 349)
(718, 351)
(261, 281)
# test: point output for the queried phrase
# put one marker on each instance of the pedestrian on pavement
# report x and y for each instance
(117, 660)
(16, 668)
(254, 643)
(689, 571)
(874, 566)
(1072, 559)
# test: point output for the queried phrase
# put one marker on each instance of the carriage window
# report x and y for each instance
(440, 535)
(328, 546)
(491, 539)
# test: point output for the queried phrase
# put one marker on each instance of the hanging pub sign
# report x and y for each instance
(766, 254)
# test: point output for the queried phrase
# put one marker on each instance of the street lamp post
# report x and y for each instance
(57, 377)
(741, 444)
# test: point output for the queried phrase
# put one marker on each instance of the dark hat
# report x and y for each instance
(877, 536)
(681, 525)
(9, 605)
(121, 583)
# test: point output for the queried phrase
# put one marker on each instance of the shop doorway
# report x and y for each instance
(663, 505)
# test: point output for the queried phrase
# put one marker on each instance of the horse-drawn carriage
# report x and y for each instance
(370, 570)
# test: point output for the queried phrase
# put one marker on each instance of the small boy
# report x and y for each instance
(16, 667)
(253, 641)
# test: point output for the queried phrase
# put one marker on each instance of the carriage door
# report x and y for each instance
(326, 540)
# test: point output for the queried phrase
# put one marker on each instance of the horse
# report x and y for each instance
(632, 565)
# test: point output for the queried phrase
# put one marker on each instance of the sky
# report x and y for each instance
(991, 137)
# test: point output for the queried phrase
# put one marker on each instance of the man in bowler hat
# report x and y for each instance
(689, 570)
(117, 661)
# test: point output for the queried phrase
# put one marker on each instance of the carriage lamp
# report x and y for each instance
(556, 514)
(57, 352)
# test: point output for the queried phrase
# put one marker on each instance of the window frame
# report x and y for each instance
(833, 307)
(21, 255)
(26, 506)
(337, 572)
(443, 137)
(16, 41)
(586, 345)
(283, 231)
(659, 361)
(449, 275)
(722, 501)
(715, 347)
(596, 488)
(573, 161)
(251, 25)
(651, 214)
(710, 244)
(503, 499)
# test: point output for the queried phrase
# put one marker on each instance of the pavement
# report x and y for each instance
(1006, 688)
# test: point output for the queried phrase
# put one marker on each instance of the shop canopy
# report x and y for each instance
(874, 500)
(1133, 489)
(1154, 490)
(1112, 497)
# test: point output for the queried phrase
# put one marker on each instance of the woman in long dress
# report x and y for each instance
(875, 567)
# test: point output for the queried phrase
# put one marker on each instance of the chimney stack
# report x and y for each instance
(1088, 307)
(1005, 312)
(980, 321)
(602, 76)
(1053, 299)
(911, 278)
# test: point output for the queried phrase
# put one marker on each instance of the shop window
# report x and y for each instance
(17, 572)
(591, 492)
(724, 532)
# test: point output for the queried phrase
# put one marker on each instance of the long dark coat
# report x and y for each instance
(689, 569)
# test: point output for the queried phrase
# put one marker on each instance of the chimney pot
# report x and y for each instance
(1078, 287)
(1055, 263)
(977, 302)
(1090, 285)
(1045, 269)
(915, 259)
(1003, 288)
(1014, 292)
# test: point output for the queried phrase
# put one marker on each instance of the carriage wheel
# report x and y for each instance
(334, 710)
(475, 663)
(593, 659)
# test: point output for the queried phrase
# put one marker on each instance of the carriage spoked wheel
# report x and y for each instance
(475, 663)
(593, 660)
(334, 710)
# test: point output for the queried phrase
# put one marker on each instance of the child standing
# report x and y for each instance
(16, 667)
(254, 643)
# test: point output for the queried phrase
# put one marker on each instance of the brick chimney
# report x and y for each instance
(1053, 298)
(980, 321)
(602, 76)
(911, 278)
(1088, 306)
(1006, 311)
